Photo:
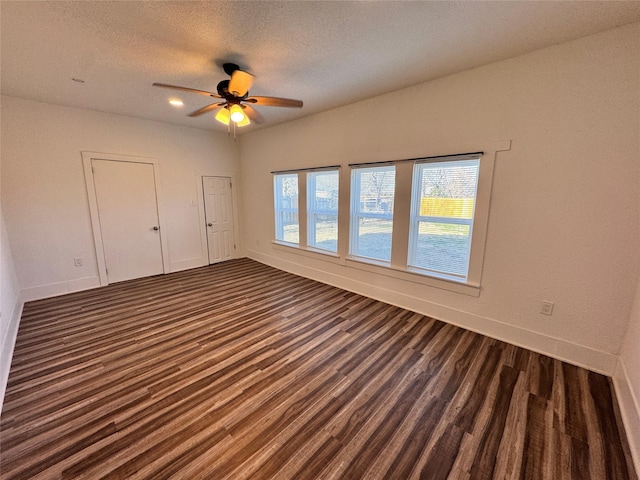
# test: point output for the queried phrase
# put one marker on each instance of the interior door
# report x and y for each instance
(218, 209)
(128, 212)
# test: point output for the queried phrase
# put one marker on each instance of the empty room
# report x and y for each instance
(320, 240)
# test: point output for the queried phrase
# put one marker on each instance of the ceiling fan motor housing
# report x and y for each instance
(229, 68)
(223, 88)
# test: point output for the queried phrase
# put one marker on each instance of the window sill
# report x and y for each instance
(311, 252)
(379, 269)
(414, 277)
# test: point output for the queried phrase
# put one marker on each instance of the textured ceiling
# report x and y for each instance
(326, 53)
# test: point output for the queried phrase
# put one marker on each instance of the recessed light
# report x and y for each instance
(176, 102)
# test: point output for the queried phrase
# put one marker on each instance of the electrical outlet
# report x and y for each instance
(78, 261)
(546, 308)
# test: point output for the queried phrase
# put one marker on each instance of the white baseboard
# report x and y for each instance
(629, 410)
(59, 288)
(595, 360)
(8, 343)
(62, 288)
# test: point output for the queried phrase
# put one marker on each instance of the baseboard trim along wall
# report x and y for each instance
(8, 344)
(629, 410)
(86, 283)
(59, 288)
(595, 360)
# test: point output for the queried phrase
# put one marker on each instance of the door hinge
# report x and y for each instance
(234, 246)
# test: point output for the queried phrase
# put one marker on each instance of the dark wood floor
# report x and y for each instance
(241, 371)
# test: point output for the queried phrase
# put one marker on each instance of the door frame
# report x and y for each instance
(93, 206)
(203, 222)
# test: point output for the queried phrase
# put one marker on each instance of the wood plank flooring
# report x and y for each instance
(240, 371)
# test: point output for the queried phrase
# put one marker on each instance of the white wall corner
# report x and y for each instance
(8, 344)
(629, 410)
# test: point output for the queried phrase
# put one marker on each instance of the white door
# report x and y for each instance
(218, 209)
(128, 212)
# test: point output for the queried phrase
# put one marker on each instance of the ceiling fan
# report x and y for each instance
(236, 106)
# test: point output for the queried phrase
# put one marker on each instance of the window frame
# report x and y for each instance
(415, 218)
(356, 214)
(398, 267)
(402, 210)
(279, 208)
(312, 211)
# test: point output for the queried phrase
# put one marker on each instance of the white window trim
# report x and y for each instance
(414, 277)
(303, 222)
(415, 218)
(278, 208)
(471, 287)
(355, 216)
(309, 252)
(478, 237)
(311, 212)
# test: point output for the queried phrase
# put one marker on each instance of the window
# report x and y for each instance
(372, 201)
(442, 211)
(286, 207)
(322, 210)
(432, 233)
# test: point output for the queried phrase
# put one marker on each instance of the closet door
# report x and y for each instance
(128, 215)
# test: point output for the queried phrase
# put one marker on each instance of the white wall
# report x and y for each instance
(564, 222)
(10, 307)
(44, 196)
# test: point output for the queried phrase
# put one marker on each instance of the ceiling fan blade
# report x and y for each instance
(252, 113)
(240, 83)
(275, 102)
(206, 109)
(186, 89)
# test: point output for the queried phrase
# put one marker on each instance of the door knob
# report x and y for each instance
(156, 228)
(210, 224)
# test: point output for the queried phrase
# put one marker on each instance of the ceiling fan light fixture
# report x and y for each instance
(237, 115)
(244, 122)
(223, 116)
(234, 107)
